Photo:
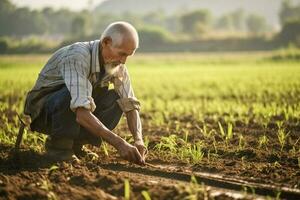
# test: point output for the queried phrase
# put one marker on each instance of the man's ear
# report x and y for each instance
(107, 41)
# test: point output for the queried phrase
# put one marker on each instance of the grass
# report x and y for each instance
(192, 98)
(230, 113)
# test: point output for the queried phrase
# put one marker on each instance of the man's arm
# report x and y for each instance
(86, 119)
(135, 127)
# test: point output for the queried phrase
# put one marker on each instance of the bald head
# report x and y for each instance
(120, 32)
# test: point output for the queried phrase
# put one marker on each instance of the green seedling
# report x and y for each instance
(208, 156)
(263, 141)
(282, 137)
(215, 145)
(205, 132)
(47, 186)
(105, 148)
(195, 191)
(243, 161)
(277, 164)
(146, 141)
(229, 134)
(278, 193)
(146, 195)
(242, 142)
(194, 180)
(279, 124)
(221, 130)
(167, 143)
(196, 154)
(126, 189)
(186, 136)
(229, 131)
(52, 169)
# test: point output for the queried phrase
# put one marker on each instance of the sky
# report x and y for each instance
(70, 4)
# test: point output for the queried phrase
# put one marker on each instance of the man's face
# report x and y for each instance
(116, 55)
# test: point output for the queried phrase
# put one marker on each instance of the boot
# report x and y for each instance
(60, 149)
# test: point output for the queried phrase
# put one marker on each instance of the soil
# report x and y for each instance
(31, 175)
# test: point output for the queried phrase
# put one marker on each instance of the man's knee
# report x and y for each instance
(56, 118)
(59, 101)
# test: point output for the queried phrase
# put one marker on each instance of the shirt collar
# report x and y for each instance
(95, 56)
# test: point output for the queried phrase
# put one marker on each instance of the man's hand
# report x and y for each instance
(130, 153)
(142, 149)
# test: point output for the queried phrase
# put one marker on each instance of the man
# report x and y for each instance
(71, 101)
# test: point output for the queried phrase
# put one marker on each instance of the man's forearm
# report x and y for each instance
(135, 125)
(86, 119)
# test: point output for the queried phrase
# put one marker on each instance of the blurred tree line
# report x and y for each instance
(154, 28)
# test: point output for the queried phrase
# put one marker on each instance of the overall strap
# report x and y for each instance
(99, 75)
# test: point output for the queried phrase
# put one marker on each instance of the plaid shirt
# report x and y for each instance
(77, 66)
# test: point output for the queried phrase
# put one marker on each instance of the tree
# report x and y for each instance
(238, 19)
(6, 9)
(224, 23)
(256, 24)
(156, 18)
(78, 26)
(288, 12)
(26, 22)
(153, 35)
(290, 33)
(195, 22)
(231, 21)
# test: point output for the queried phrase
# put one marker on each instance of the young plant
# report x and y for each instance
(263, 141)
(146, 141)
(208, 156)
(168, 143)
(294, 148)
(279, 124)
(186, 136)
(105, 148)
(47, 186)
(204, 131)
(195, 191)
(243, 161)
(242, 142)
(196, 153)
(126, 189)
(215, 145)
(52, 169)
(146, 195)
(282, 137)
(221, 130)
(229, 134)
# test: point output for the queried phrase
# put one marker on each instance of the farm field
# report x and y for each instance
(217, 126)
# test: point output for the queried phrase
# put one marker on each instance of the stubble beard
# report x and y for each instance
(111, 68)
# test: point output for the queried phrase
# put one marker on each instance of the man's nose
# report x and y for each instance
(123, 60)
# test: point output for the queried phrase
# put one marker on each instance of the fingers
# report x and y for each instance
(138, 157)
(133, 155)
(143, 151)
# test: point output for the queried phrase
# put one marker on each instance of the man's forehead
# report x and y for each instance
(126, 49)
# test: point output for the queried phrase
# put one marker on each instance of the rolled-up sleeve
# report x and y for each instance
(75, 72)
(123, 87)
